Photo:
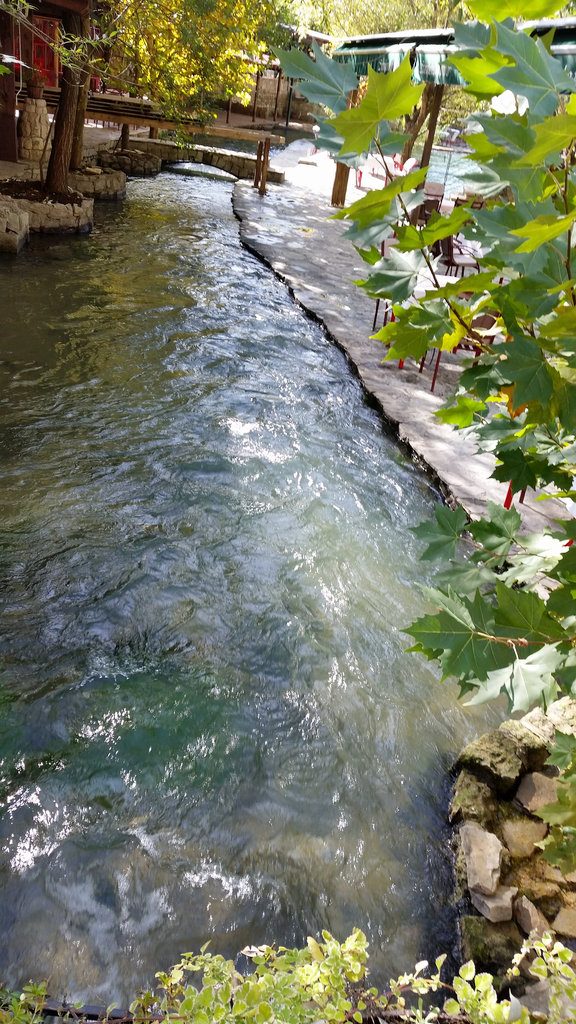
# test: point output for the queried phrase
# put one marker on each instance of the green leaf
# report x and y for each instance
(536, 75)
(564, 750)
(321, 80)
(376, 204)
(463, 632)
(523, 615)
(476, 71)
(526, 682)
(543, 229)
(497, 534)
(462, 414)
(395, 277)
(388, 96)
(443, 535)
(465, 577)
(551, 137)
(438, 227)
(528, 371)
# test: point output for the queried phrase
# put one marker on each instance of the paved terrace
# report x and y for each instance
(291, 230)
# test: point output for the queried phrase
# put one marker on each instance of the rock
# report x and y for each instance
(536, 790)
(483, 853)
(495, 759)
(537, 723)
(521, 836)
(562, 714)
(490, 945)
(472, 800)
(529, 918)
(532, 749)
(536, 998)
(14, 226)
(565, 922)
(532, 881)
(498, 906)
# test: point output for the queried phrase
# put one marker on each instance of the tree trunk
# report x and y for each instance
(58, 166)
(415, 121)
(77, 154)
(435, 106)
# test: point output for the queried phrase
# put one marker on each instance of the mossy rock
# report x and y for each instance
(490, 946)
(473, 800)
(532, 750)
(495, 759)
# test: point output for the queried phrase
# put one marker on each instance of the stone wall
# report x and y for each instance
(14, 226)
(500, 872)
(241, 165)
(97, 183)
(33, 130)
(54, 218)
(138, 160)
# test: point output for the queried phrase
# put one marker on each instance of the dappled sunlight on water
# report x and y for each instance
(209, 724)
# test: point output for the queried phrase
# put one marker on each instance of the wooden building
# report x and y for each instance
(29, 43)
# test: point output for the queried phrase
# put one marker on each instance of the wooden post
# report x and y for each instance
(278, 84)
(258, 168)
(8, 139)
(432, 122)
(264, 174)
(153, 134)
(125, 136)
(342, 172)
(255, 95)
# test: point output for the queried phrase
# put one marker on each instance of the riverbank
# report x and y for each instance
(291, 229)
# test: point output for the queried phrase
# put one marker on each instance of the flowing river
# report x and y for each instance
(209, 728)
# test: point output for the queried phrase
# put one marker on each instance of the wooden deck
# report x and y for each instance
(111, 108)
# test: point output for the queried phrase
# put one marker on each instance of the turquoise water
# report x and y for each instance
(209, 726)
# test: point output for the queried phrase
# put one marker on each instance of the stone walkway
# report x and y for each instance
(289, 228)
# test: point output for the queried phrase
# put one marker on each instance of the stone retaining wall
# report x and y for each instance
(502, 782)
(14, 226)
(53, 218)
(241, 165)
(97, 183)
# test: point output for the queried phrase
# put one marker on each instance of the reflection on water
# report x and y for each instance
(209, 725)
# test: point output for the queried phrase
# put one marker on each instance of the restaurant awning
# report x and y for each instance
(430, 50)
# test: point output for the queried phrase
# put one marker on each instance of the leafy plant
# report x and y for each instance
(504, 615)
(326, 981)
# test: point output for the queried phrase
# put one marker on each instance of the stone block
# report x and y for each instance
(541, 726)
(536, 790)
(495, 759)
(562, 715)
(529, 918)
(520, 836)
(497, 906)
(565, 922)
(483, 853)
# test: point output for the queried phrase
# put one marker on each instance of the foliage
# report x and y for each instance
(181, 54)
(327, 981)
(494, 625)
